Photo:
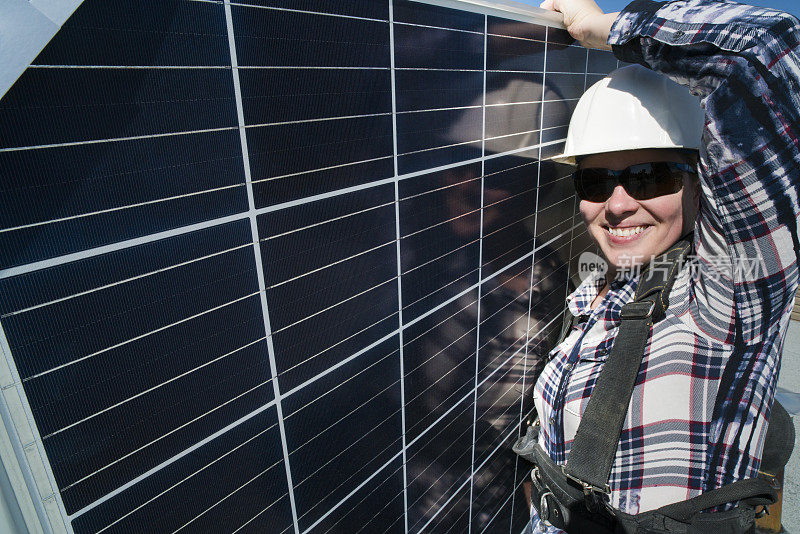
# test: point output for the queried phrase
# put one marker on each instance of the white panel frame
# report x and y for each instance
(25, 29)
(505, 9)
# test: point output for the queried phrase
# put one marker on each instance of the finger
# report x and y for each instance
(549, 5)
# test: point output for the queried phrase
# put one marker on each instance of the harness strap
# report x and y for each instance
(755, 491)
(567, 325)
(594, 448)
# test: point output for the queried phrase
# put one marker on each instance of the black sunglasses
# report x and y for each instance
(642, 182)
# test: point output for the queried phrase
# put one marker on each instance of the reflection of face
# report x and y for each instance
(464, 197)
(663, 219)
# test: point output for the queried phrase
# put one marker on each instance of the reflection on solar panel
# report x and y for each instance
(283, 265)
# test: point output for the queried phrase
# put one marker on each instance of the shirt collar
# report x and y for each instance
(578, 301)
(622, 290)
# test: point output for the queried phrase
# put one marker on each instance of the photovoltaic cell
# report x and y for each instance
(285, 265)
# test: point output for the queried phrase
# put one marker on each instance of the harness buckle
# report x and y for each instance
(589, 490)
(638, 309)
(544, 508)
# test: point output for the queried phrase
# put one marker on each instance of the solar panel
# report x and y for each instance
(283, 265)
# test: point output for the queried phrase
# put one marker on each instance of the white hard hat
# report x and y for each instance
(633, 108)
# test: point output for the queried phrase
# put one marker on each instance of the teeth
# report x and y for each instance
(625, 232)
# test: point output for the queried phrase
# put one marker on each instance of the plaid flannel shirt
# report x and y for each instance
(698, 414)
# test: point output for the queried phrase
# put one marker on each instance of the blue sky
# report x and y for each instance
(791, 6)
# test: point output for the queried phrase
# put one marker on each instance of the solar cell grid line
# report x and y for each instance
(495, 472)
(314, 156)
(37, 474)
(49, 390)
(66, 258)
(480, 271)
(440, 468)
(355, 434)
(259, 267)
(400, 321)
(533, 368)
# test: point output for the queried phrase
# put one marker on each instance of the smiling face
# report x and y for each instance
(629, 231)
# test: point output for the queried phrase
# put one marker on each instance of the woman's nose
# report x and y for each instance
(620, 203)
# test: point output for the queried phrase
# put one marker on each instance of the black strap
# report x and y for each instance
(592, 454)
(755, 491)
(567, 325)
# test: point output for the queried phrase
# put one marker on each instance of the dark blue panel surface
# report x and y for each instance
(433, 48)
(520, 510)
(517, 54)
(377, 506)
(344, 427)
(562, 58)
(557, 35)
(142, 444)
(200, 324)
(269, 37)
(290, 161)
(555, 219)
(549, 151)
(436, 89)
(56, 183)
(512, 28)
(561, 86)
(439, 363)
(601, 61)
(40, 286)
(243, 481)
(431, 129)
(504, 330)
(280, 95)
(498, 415)
(558, 113)
(72, 198)
(378, 9)
(438, 157)
(507, 120)
(168, 32)
(440, 229)
(509, 87)
(34, 243)
(94, 104)
(103, 319)
(509, 210)
(554, 134)
(331, 279)
(419, 13)
(439, 464)
(493, 509)
(592, 79)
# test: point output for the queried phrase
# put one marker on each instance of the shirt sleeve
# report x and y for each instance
(743, 62)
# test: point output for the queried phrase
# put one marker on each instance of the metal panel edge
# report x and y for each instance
(36, 486)
(505, 9)
(25, 30)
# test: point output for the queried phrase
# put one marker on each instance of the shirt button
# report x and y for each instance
(552, 420)
(677, 35)
(603, 352)
(568, 367)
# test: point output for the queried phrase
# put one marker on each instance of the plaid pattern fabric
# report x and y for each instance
(698, 414)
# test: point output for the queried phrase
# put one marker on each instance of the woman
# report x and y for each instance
(698, 413)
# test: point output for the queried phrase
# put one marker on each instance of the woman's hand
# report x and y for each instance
(584, 21)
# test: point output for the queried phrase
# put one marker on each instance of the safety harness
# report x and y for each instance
(575, 497)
